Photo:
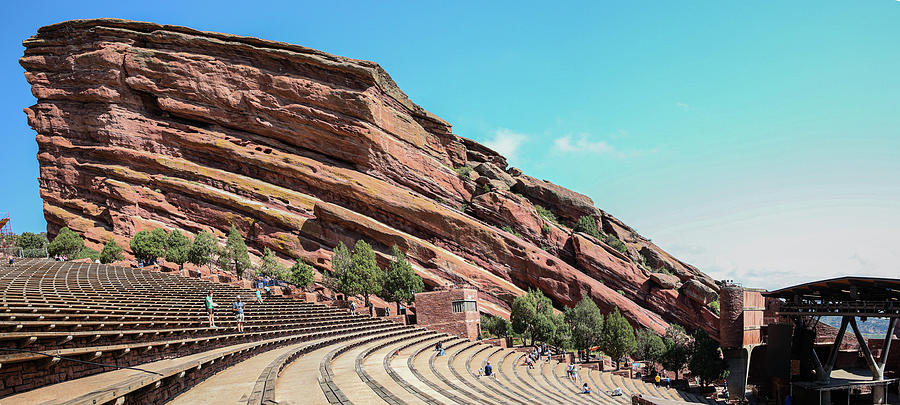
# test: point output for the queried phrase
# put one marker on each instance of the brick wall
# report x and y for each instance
(434, 311)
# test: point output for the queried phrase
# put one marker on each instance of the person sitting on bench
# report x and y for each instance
(585, 389)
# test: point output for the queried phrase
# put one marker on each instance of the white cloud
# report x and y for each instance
(682, 106)
(507, 143)
(581, 144)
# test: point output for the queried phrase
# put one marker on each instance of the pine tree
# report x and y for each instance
(148, 245)
(401, 283)
(66, 243)
(234, 255)
(202, 249)
(111, 252)
(301, 274)
(178, 248)
(618, 336)
(586, 324)
(364, 277)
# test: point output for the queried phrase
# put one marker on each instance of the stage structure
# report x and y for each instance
(848, 298)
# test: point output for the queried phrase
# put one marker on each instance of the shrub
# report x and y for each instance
(269, 265)
(34, 253)
(87, 253)
(714, 306)
(615, 243)
(545, 228)
(663, 270)
(486, 188)
(66, 243)
(588, 225)
(463, 171)
(545, 213)
(507, 228)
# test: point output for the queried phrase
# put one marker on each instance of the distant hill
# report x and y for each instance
(871, 328)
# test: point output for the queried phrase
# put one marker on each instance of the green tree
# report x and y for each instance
(148, 245)
(562, 335)
(401, 283)
(677, 350)
(66, 243)
(496, 326)
(586, 324)
(269, 265)
(234, 256)
(30, 240)
(111, 252)
(618, 336)
(178, 248)
(649, 346)
(588, 225)
(340, 264)
(301, 274)
(364, 277)
(525, 311)
(87, 253)
(202, 249)
(706, 358)
(714, 306)
(32, 244)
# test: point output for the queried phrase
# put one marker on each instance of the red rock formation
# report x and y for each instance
(143, 125)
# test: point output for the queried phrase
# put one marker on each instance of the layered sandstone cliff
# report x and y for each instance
(142, 125)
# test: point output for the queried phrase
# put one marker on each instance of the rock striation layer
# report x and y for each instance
(142, 125)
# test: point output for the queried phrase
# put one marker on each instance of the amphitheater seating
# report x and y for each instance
(60, 322)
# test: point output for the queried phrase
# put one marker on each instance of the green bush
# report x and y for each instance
(663, 270)
(545, 213)
(463, 171)
(87, 253)
(714, 306)
(588, 225)
(509, 229)
(545, 228)
(486, 188)
(615, 243)
(301, 274)
(34, 253)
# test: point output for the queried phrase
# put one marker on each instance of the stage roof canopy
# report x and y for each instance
(844, 289)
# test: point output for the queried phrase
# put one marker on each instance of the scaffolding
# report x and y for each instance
(7, 237)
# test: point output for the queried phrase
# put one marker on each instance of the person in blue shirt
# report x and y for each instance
(238, 309)
(488, 370)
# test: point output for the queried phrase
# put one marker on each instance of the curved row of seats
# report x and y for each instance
(60, 320)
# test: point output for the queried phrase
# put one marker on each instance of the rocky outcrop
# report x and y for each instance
(141, 125)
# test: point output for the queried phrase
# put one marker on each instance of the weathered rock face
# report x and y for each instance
(142, 125)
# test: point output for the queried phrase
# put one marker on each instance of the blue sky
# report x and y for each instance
(759, 141)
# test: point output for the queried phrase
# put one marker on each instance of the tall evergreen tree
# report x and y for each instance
(706, 358)
(401, 283)
(364, 277)
(525, 314)
(269, 265)
(649, 346)
(234, 255)
(301, 274)
(677, 350)
(202, 249)
(618, 336)
(178, 248)
(585, 321)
